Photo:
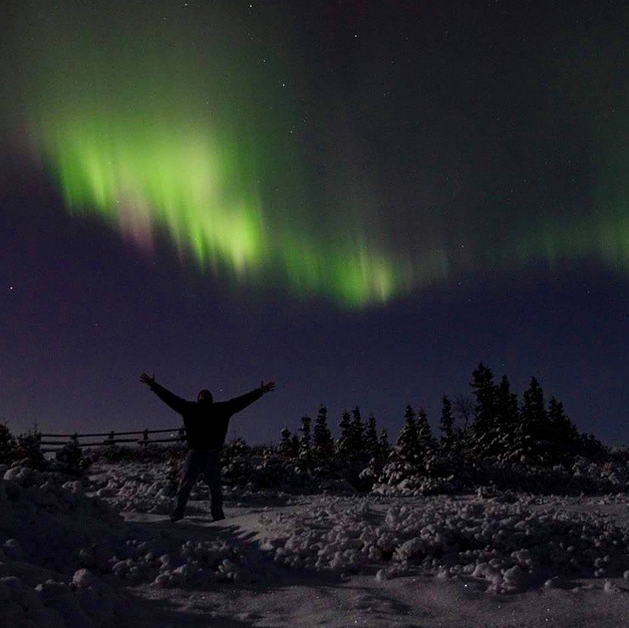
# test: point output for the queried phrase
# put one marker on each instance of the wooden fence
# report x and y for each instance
(53, 442)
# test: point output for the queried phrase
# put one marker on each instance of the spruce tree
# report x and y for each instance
(322, 443)
(288, 447)
(424, 431)
(485, 431)
(376, 454)
(564, 436)
(430, 462)
(405, 462)
(236, 461)
(69, 459)
(372, 449)
(446, 426)
(384, 446)
(28, 451)
(357, 431)
(507, 421)
(534, 427)
(305, 444)
(305, 441)
(344, 445)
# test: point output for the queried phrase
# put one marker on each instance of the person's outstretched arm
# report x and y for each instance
(170, 399)
(240, 403)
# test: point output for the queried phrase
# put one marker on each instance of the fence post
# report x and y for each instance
(145, 437)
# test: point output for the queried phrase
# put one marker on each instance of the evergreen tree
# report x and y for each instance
(357, 431)
(485, 430)
(563, 435)
(533, 434)
(305, 444)
(507, 420)
(407, 443)
(591, 448)
(272, 472)
(322, 442)
(288, 447)
(372, 449)
(430, 462)
(383, 444)
(236, 460)
(424, 432)
(446, 426)
(306, 435)
(28, 451)
(69, 459)
(405, 462)
(344, 445)
(376, 452)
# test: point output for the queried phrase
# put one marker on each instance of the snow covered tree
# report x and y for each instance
(507, 420)
(563, 436)
(485, 430)
(69, 459)
(288, 446)
(271, 470)
(353, 448)
(305, 444)
(372, 446)
(376, 451)
(344, 445)
(405, 461)
(433, 463)
(383, 444)
(357, 432)
(533, 433)
(28, 451)
(446, 426)
(236, 460)
(305, 441)
(322, 443)
(407, 446)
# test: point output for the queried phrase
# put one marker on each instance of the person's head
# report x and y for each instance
(205, 396)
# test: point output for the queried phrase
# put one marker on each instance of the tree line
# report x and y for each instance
(492, 436)
(487, 437)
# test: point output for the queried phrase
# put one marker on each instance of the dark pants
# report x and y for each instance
(208, 463)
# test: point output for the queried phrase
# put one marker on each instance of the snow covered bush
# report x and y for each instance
(70, 460)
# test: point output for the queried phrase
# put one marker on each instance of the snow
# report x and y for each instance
(101, 552)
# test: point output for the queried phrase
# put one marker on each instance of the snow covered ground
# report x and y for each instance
(103, 553)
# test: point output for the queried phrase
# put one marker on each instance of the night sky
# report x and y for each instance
(358, 200)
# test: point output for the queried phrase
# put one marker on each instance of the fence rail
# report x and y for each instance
(50, 443)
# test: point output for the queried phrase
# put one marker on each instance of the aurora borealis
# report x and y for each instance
(194, 124)
(160, 126)
(359, 199)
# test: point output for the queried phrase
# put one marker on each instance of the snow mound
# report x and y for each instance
(43, 522)
(511, 546)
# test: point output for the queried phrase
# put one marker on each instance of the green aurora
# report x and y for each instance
(164, 124)
(159, 126)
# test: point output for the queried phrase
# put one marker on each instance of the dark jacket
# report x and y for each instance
(206, 423)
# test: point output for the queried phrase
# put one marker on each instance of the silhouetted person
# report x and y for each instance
(206, 424)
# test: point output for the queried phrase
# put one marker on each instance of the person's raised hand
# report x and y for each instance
(149, 380)
(266, 388)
